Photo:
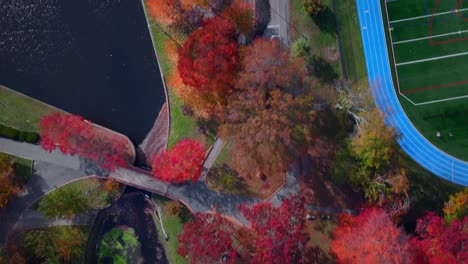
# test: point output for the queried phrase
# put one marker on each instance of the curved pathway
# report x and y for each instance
(380, 78)
(53, 169)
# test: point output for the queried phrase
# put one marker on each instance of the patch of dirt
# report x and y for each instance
(156, 140)
(331, 53)
(317, 188)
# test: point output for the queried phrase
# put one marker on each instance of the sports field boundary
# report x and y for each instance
(380, 77)
(430, 37)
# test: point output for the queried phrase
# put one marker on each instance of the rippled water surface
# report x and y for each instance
(89, 57)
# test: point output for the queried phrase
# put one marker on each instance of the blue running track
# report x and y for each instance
(385, 96)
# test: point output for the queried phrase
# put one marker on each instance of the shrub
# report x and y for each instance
(322, 69)
(312, 7)
(30, 137)
(8, 132)
(173, 208)
(301, 48)
(15, 134)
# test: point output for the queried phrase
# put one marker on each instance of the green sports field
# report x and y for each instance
(428, 48)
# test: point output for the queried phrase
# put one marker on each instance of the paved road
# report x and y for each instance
(45, 178)
(32, 219)
(279, 22)
(380, 77)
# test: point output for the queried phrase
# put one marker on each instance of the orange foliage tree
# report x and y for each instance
(241, 14)
(165, 11)
(370, 237)
(8, 185)
(180, 164)
(268, 118)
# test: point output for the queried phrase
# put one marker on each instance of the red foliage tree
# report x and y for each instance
(180, 164)
(207, 239)
(208, 60)
(370, 237)
(439, 242)
(279, 233)
(73, 134)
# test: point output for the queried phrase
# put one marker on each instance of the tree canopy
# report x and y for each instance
(60, 244)
(370, 237)
(267, 118)
(180, 164)
(209, 58)
(440, 242)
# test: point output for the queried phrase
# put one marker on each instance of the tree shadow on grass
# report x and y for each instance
(225, 179)
(326, 21)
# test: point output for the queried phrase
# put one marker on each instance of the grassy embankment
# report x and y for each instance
(20, 111)
(173, 227)
(182, 126)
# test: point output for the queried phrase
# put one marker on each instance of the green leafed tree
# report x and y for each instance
(118, 245)
(65, 202)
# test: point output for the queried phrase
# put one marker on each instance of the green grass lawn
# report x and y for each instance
(351, 41)
(320, 34)
(21, 112)
(173, 226)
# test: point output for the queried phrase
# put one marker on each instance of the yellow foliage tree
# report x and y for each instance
(457, 206)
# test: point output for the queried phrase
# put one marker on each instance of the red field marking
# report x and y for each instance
(432, 22)
(458, 14)
(435, 87)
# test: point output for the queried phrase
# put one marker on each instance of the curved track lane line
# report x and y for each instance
(385, 96)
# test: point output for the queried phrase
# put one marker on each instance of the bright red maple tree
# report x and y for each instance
(208, 60)
(279, 232)
(73, 134)
(439, 242)
(370, 237)
(207, 239)
(180, 164)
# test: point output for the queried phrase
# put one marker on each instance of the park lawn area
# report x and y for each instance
(181, 126)
(351, 42)
(173, 226)
(321, 33)
(20, 111)
(99, 195)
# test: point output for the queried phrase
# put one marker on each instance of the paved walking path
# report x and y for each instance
(32, 219)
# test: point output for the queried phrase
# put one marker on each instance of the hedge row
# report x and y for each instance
(15, 134)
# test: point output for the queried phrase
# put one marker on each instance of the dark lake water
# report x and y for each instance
(89, 57)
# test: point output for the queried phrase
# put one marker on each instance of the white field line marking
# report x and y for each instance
(434, 36)
(436, 14)
(411, 101)
(393, 52)
(442, 100)
(433, 58)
